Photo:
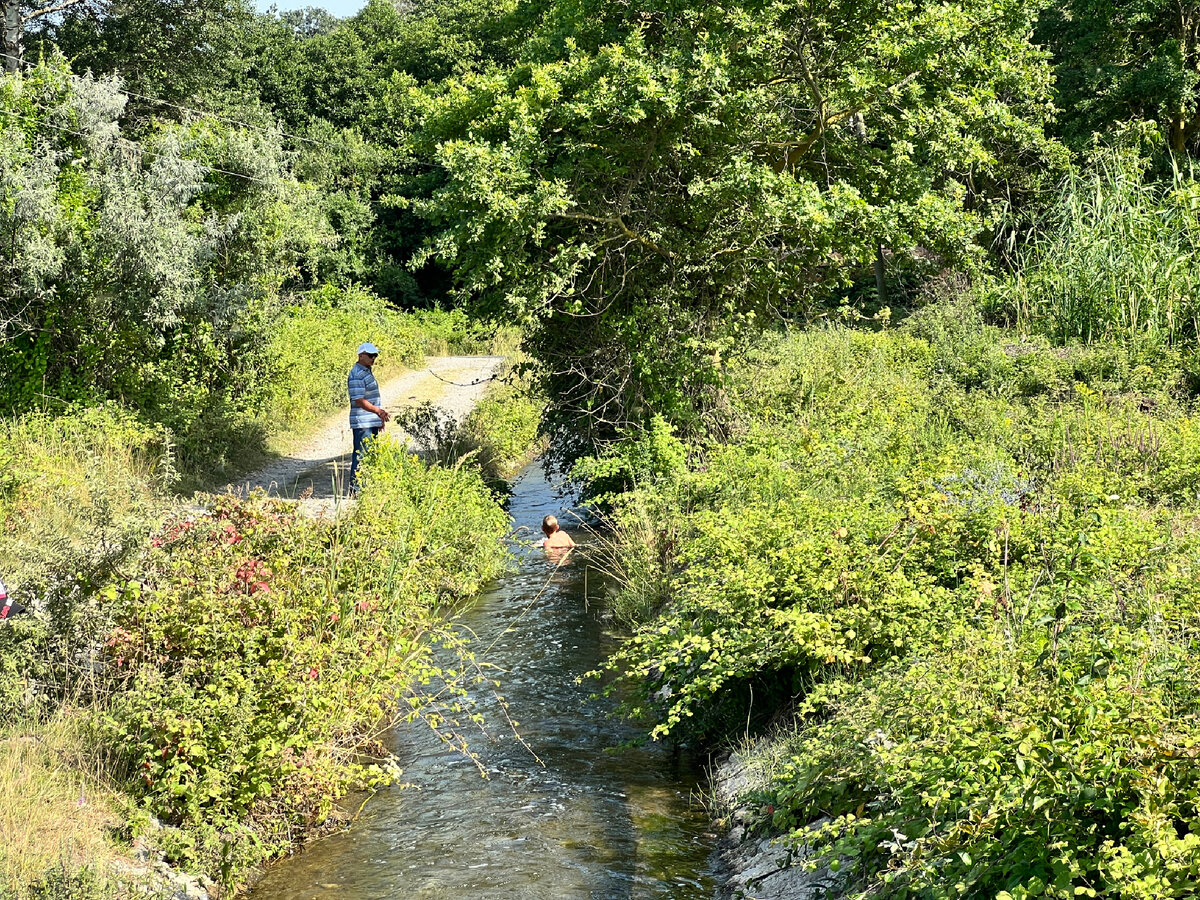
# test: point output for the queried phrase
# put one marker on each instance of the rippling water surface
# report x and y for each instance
(597, 820)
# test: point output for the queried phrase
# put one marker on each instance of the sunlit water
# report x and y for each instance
(598, 820)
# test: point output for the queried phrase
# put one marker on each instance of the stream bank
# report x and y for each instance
(751, 866)
(563, 808)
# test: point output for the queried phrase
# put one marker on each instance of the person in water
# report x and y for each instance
(556, 538)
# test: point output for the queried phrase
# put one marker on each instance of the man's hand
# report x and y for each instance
(384, 415)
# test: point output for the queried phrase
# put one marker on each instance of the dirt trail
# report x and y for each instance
(316, 467)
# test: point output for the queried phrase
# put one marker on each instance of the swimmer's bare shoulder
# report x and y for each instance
(560, 540)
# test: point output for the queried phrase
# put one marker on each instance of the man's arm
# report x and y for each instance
(364, 403)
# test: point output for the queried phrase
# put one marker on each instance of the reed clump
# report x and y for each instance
(1116, 260)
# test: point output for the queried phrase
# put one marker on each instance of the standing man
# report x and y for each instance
(367, 417)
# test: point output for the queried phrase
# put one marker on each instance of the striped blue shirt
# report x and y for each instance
(363, 386)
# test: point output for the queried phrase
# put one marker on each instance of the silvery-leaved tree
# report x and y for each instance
(144, 270)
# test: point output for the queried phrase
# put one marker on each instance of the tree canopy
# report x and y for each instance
(646, 185)
(1121, 63)
(650, 180)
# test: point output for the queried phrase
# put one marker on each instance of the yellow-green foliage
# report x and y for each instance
(498, 436)
(969, 561)
(56, 809)
(67, 479)
(503, 426)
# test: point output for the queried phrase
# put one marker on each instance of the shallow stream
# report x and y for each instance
(593, 819)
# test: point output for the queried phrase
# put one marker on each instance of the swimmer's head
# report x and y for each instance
(549, 525)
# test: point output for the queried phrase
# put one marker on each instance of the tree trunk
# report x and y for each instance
(11, 45)
(880, 280)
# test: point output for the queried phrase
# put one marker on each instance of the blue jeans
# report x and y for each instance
(360, 438)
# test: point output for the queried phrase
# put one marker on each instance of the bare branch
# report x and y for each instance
(51, 8)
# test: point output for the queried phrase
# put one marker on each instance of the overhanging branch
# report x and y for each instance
(797, 150)
(624, 229)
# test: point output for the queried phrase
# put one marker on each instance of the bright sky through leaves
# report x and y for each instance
(340, 8)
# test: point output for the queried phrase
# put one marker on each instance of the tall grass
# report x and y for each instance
(1118, 260)
(56, 803)
(73, 480)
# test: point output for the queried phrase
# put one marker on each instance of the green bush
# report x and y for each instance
(963, 562)
(504, 424)
(256, 654)
(73, 483)
(498, 435)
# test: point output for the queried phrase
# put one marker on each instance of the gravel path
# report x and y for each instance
(315, 470)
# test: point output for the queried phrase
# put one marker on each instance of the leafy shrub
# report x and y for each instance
(257, 653)
(497, 435)
(1035, 767)
(144, 273)
(962, 561)
(504, 425)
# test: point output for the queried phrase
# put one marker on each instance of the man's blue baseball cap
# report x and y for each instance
(368, 347)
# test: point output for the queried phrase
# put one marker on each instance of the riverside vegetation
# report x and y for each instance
(213, 684)
(222, 675)
(874, 324)
(210, 686)
(941, 579)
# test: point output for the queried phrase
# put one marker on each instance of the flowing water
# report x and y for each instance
(593, 819)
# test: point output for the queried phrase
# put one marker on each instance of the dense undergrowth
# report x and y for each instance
(958, 564)
(499, 435)
(212, 682)
(233, 672)
(258, 653)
